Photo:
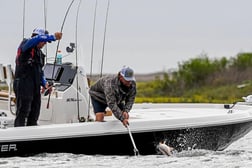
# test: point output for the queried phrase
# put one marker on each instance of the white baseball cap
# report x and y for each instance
(40, 31)
(128, 74)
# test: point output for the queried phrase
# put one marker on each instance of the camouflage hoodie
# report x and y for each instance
(110, 91)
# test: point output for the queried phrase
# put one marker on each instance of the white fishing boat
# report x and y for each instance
(66, 124)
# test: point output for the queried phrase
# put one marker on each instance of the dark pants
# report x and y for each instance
(100, 107)
(28, 102)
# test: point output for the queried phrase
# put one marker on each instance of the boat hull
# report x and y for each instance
(210, 138)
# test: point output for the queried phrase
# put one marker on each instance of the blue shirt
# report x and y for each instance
(33, 42)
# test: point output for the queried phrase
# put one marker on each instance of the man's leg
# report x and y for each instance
(99, 110)
(23, 109)
(99, 116)
(35, 111)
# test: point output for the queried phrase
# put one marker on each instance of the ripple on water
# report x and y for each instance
(3, 162)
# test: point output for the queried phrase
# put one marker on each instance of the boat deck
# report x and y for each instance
(188, 115)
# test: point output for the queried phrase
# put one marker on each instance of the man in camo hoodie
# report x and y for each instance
(116, 92)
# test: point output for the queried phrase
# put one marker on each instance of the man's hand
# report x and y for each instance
(48, 89)
(125, 122)
(47, 85)
(126, 119)
(125, 115)
(58, 35)
(44, 88)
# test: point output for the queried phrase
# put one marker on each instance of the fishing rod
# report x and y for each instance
(61, 29)
(45, 13)
(104, 37)
(23, 18)
(81, 119)
(93, 39)
(45, 22)
(92, 54)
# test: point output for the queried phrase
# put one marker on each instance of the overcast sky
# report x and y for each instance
(147, 35)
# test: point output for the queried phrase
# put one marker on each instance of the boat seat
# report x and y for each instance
(6, 78)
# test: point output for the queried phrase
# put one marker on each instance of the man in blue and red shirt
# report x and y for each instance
(29, 76)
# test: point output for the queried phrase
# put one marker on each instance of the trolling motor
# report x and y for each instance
(70, 48)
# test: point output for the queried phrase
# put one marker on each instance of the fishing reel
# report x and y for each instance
(70, 48)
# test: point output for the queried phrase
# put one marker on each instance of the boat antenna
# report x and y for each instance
(23, 18)
(81, 119)
(104, 37)
(45, 20)
(57, 48)
(136, 152)
(92, 54)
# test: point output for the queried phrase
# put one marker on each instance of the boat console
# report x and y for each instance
(61, 75)
(69, 100)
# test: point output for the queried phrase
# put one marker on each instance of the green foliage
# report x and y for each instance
(201, 80)
(195, 71)
(243, 61)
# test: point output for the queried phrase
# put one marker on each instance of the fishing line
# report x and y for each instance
(61, 29)
(104, 37)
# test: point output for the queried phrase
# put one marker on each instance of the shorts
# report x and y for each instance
(98, 106)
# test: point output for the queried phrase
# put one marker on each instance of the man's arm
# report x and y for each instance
(32, 42)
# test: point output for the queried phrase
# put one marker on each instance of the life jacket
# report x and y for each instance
(24, 58)
(29, 62)
(29, 67)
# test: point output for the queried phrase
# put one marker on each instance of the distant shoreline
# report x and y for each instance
(139, 77)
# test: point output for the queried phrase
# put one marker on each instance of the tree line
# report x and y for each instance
(199, 72)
